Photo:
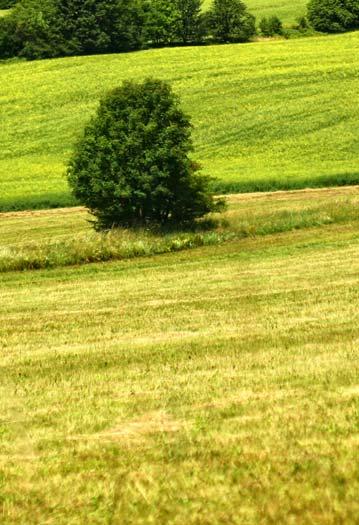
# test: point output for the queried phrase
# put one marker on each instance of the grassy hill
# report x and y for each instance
(287, 10)
(266, 115)
(216, 385)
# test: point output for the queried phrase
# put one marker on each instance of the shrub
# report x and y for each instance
(271, 26)
(275, 25)
(230, 21)
(333, 16)
(302, 23)
(132, 167)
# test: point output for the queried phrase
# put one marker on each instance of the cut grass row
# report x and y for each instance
(217, 385)
(266, 116)
(48, 239)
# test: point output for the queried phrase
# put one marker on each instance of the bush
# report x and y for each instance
(334, 16)
(271, 26)
(230, 21)
(131, 167)
(302, 24)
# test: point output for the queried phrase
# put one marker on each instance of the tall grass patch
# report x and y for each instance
(54, 239)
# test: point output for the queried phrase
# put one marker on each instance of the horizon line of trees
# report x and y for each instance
(56, 28)
(53, 28)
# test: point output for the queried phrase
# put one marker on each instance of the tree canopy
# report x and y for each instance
(132, 165)
(230, 21)
(53, 28)
(334, 16)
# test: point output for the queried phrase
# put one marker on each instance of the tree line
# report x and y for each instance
(54, 28)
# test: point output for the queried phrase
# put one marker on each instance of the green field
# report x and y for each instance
(213, 386)
(287, 10)
(267, 115)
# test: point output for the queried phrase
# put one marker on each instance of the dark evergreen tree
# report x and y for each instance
(230, 21)
(132, 165)
(334, 16)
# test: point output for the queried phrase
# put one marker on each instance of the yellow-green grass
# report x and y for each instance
(268, 115)
(212, 386)
(287, 10)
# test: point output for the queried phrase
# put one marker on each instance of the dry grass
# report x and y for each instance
(212, 386)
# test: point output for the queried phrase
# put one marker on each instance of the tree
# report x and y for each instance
(271, 26)
(189, 21)
(334, 16)
(132, 166)
(52, 28)
(30, 30)
(264, 26)
(230, 21)
(100, 26)
(161, 22)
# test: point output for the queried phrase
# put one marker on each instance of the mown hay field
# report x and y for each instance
(216, 385)
(267, 115)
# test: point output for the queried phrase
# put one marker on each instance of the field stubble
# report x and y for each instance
(216, 385)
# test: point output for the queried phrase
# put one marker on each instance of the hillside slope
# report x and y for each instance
(287, 10)
(267, 115)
